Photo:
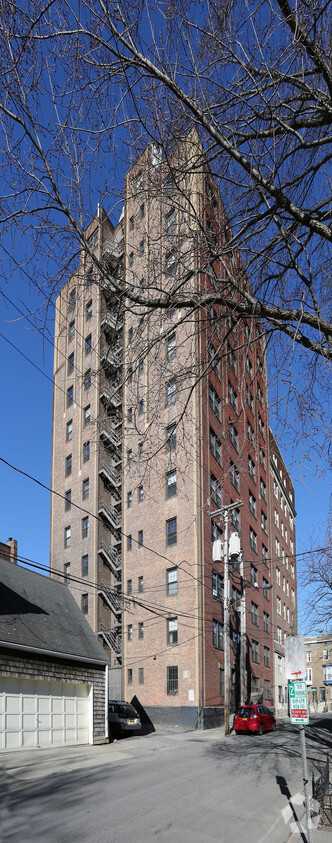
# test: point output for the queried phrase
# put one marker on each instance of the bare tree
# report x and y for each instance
(83, 91)
(316, 582)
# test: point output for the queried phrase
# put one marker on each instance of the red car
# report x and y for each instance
(254, 718)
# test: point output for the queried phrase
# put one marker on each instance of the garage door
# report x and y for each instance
(43, 714)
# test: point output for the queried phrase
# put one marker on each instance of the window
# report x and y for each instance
(264, 521)
(142, 211)
(172, 631)
(214, 402)
(276, 517)
(171, 484)
(214, 360)
(141, 247)
(140, 450)
(234, 436)
(86, 451)
(327, 673)
(278, 576)
(171, 532)
(170, 221)
(140, 538)
(85, 527)
(85, 489)
(67, 500)
(141, 367)
(140, 584)
(87, 379)
(231, 358)
(217, 635)
(250, 432)
(263, 489)
(70, 364)
(131, 259)
(67, 536)
(171, 437)
(253, 539)
(170, 347)
(235, 477)
(129, 676)
(293, 597)
(71, 330)
(86, 415)
(284, 583)
(266, 622)
(325, 655)
(250, 400)
(85, 565)
(130, 414)
(171, 581)
(138, 183)
(172, 679)
(171, 392)
(252, 504)
(277, 546)
(264, 554)
(254, 614)
(130, 336)
(88, 309)
(278, 606)
(255, 651)
(131, 224)
(279, 635)
(66, 570)
(141, 675)
(249, 367)
(88, 344)
(266, 657)
(85, 603)
(72, 299)
(140, 407)
(140, 494)
(215, 491)
(217, 585)
(129, 586)
(215, 446)
(309, 656)
(267, 684)
(259, 365)
(130, 632)
(232, 397)
(171, 261)
(69, 430)
(141, 630)
(130, 375)
(260, 396)
(262, 457)
(93, 239)
(308, 675)
(253, 575)
(68, 465)
(235, 518)
(129, 500)
(129, 541)
(251, 468)
(261, 427)
(70, 396)
(265, 589)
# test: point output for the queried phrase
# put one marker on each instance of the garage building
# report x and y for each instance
(53, 672)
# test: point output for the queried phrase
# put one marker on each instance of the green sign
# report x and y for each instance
(298, 702)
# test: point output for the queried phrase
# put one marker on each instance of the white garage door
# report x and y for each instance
(43, 714)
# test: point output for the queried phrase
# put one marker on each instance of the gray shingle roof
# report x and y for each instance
(37, 612)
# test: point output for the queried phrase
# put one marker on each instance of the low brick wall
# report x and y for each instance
(60, 670)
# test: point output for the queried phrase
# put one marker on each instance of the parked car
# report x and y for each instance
(254, 718)
(122, 718)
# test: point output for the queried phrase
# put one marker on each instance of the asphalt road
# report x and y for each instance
(191, 788)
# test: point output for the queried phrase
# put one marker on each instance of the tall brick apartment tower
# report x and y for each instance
(160, 419)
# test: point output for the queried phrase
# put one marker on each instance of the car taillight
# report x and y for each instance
(255, 716)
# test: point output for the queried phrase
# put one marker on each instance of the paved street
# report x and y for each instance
(167, 786)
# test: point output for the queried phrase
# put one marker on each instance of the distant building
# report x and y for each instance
(158, 421)
(53, 689)
(318, 654)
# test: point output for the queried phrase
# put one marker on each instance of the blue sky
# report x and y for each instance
(26, 423)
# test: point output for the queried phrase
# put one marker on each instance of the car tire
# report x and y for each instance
(260, 729)
(237, 732)
(274, 727)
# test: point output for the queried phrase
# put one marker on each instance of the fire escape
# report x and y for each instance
(110, 458)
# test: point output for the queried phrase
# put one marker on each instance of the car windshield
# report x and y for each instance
(245, 712)
(127, 710)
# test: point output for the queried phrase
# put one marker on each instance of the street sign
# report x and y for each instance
(295, 663)
(298, 702)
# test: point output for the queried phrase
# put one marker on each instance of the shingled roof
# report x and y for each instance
(38, 613)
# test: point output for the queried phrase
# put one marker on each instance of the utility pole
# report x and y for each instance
(224, 512)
